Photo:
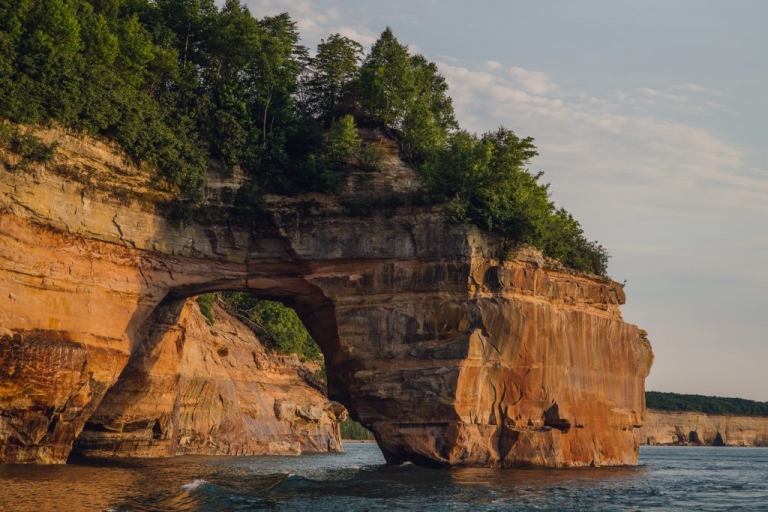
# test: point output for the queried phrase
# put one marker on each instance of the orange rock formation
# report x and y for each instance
(450, 355)
(197, 389)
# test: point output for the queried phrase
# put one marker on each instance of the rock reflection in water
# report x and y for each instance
(669, 479)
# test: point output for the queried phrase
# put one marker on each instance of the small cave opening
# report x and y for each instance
(718, 441)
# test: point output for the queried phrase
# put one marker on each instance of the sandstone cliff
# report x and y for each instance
(448, 354)
(201, 389)
(694, 428)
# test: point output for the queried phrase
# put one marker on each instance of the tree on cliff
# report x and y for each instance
(180, 84)
(484, 181)
(387, 84)
(406, 93)
(327, 86)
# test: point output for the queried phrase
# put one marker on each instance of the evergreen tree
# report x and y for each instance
(331, 74)
(387, 81)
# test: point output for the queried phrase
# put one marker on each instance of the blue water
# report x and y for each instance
(668, 478)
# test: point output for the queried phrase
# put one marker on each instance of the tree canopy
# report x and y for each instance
(705, 404)
(183, 83)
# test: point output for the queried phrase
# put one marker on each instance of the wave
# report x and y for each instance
(194, 484)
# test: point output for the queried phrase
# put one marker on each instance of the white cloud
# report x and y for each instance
(695, 88)
(315, 22)
(628, 160)
(492, 65)
(534, 82)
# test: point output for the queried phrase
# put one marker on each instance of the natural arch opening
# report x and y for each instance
(282, 331)
(227, 373)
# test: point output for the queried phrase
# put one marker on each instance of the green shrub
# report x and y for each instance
(206, 302)
(370, 157)
(484, 181)
(280, 327)
(343, 140)
(26, 144)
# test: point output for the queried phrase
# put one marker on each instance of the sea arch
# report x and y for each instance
(453, 351)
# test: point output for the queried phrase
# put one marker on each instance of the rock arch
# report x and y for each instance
(448, 354)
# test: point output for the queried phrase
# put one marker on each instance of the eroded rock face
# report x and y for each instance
(693, 428)
(193, 388)
(450, 356)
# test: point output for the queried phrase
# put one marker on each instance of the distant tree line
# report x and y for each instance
(183, 84)
(350, 429)
(705, 404)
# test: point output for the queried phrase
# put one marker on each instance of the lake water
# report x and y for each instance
(669, 478)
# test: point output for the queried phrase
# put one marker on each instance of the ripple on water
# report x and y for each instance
(669, 478)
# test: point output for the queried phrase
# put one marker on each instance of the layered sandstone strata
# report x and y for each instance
(450, 354)
(694, 428)
(194, 388)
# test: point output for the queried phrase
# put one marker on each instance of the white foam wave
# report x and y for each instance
(194, 485)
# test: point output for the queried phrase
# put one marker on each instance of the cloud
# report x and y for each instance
(315, 22)
(695, 88)
(534, 82)
(628, 159)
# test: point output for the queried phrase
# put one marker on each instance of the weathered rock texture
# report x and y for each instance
(196, 389)
(694, 428)
(450, 356)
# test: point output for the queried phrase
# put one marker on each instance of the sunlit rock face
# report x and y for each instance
(694, 428)
(451, 356)
(194, 388)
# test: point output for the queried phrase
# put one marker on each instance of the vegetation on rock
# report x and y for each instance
(179, 83)
(26, 144)
(279, 327)
(205, 303)
(705, 404)
(350, 429)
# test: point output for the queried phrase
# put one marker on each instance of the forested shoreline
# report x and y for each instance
(714, 405)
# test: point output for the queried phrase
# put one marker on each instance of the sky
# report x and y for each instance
(651, 123)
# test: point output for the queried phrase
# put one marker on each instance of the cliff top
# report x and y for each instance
(374, 130)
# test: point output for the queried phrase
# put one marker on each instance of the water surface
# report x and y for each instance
(669, 478)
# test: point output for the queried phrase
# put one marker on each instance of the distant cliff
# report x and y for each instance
(695, 428)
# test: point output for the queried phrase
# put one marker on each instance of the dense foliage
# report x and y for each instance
(182, 83)
(705, 404)
(279, 327)
(205, 303)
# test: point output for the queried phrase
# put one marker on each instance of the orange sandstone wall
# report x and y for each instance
(450, 356)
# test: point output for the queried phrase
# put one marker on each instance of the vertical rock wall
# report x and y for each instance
(698, 429)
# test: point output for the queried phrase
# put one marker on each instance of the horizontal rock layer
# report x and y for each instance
(694, 428)
(450, 355)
